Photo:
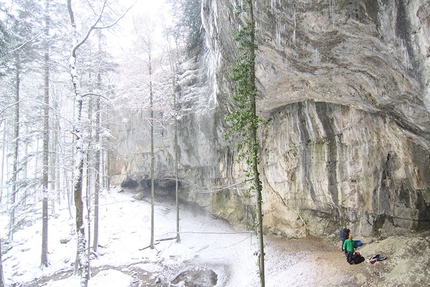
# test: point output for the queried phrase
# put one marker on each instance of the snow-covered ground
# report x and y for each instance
(207, 243)
(124, 234)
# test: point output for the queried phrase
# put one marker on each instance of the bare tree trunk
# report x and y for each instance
(82, 256)
(2, 282)
(255, 148)
(148, 42)
(152, 155)
(97, 159)
(45, 170)
(178, 236)
(88, 175)
(15, 159)
(3, 162)
(25, 165)
(106, 166)
(54, 171)
(97, 179)
(173, 58)
(81, 259)
(69, 180)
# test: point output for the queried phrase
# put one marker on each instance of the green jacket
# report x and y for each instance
(349, 245)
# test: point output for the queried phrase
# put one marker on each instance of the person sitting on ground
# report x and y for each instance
(349, 246)
(344, 233)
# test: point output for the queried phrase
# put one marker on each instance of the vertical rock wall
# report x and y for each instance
(326, 164)
(344, 86)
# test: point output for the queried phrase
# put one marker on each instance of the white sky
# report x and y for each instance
(120, 37)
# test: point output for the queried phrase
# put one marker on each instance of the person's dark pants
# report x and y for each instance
(343, 241)
(349, 257)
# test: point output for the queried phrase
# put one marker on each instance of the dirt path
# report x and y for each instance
(320, 262)
(306, 262)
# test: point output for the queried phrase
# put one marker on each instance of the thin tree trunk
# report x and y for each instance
(152, 155)
(97, 160)
(36, 166)
(173, 61)
(88, 176)
(148, 43)
(105, 155)
(2, 282)
(52, 167)
(81, 259)
(255, 148)
(25, 166)
(178, 236)
(71, 174)
(97, 179)
(106, 169)
(14, 178)
(175, 107)
(3, 162)
(45, 170)
(55, 171)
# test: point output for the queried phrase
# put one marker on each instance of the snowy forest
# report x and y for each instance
(154, 143)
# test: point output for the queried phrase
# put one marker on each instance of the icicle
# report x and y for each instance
(316, 55)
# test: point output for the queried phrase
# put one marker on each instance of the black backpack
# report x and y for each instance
(358, 259)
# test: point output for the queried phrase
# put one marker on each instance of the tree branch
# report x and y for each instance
(94, 26)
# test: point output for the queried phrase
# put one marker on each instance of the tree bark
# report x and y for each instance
(178, 235)
(45, 169)
(97, 159)
(15, 159)
(255, 149)
(2, 282)
(81, 258)
(152, 153)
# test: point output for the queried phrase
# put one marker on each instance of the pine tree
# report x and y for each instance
(19, 58)
(188, 23)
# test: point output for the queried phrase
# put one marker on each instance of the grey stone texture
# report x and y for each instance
(345, 88)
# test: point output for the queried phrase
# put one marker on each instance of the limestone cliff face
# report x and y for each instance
(345, 87)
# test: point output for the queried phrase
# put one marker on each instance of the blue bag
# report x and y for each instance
(358, 243)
